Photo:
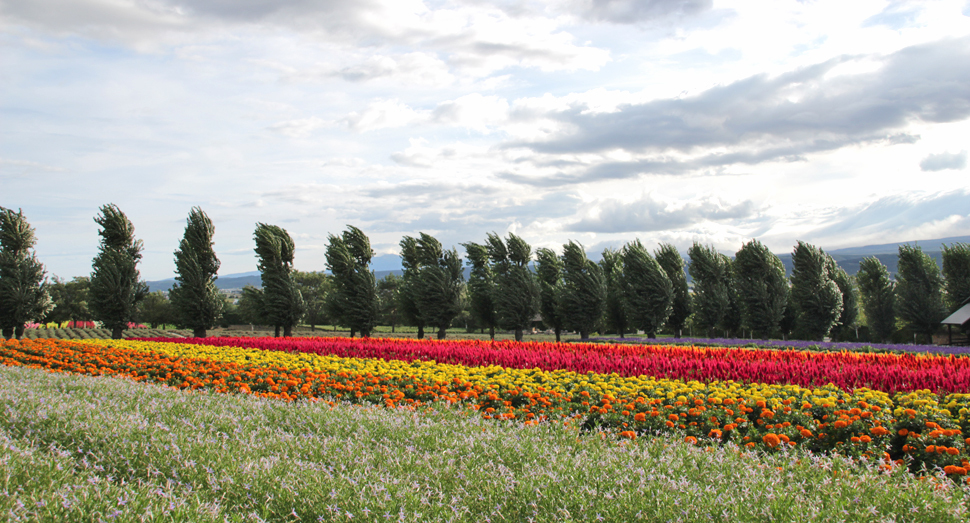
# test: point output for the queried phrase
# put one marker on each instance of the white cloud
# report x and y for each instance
(384, 114)
(943, 161)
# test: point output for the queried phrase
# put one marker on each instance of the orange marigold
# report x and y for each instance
(772, 440)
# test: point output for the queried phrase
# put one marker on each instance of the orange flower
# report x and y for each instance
(628, 434)
(931, 448)
(772, 440)
(691, 439)
(640, 417)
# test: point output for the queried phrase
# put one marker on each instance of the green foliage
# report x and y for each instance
(408, 294)
(850, 304)
(582, 296)
(314, 287)
(648, 292)
(115, 286)
(70, 299)
(614, 315)
(388, 292)
(711, 272)
(481, 283)
(194, 296)
(549, 272)
(817, 297)
(762, 287)
(23, 290)
(435, 282)
(157, 310)
(919, 291)
(354, 301)
(878, 293)
(673, 265)
(516, 291)
(956, 271)
(283, 304)
(251, 307)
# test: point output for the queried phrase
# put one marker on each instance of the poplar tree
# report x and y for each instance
(481, 284)
(673, 265)
(878, 294)
(614, 314)
(549, 273)
(648, 292)
(194, 295)
(516, 291)
(354, 299)
(711, 272)
(408, 294)
(23, 289)
(816, 295)
(956, 274)
(115, 286)
(762, 288)
(919, 291)
(439, 283)
(283, 304)
(582, 296)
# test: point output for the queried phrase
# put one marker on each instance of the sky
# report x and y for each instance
(598, 121)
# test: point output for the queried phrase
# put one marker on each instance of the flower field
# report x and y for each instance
(921, 429)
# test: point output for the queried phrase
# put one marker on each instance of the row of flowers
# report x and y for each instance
(918, 429)
(890, 373)
(76, 325)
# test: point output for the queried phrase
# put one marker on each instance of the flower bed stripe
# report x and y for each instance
(866, 423)
(889, 373)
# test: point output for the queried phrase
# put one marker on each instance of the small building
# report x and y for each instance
(960, 318)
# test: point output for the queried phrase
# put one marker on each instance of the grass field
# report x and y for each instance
(75, 448)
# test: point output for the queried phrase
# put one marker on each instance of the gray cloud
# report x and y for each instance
(942, 161)
(633, 11)
(761, 119)
(649, 214)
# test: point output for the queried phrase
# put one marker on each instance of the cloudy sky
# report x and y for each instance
(838, 123)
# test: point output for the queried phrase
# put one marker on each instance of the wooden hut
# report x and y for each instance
(960, 318)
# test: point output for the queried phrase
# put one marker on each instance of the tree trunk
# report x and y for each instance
(558, 333)
(352, 332)
(584, 335)
(621, 332)
(19, 332)
(198, 332)
(491, 332)
(392, 328)
(442, 331)
(7, 332)
(420, 332)
(365, 334)
(652, 335)
(518, 334)
(313, 327)
(116, 333)
(276, 332)
(287, 331)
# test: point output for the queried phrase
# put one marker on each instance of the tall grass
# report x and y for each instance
(76, 448)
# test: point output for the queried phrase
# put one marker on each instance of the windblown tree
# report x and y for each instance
(614, 315)
(762, 288)
(354, 300)
(313, 286)
(919, 291)
(410, 285)
(711, 272)
(878, 293)
(549, 273)
(23, 290)
(850, 304)
(388, 290)
(582, 296)
(194, 295)
(481, 284)
(516, 291)
(70, 299)
(648, 292)
(439, 284)
(673, 265)
(956, 274)
(115, 288)
(816, 295)
(283, 305)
